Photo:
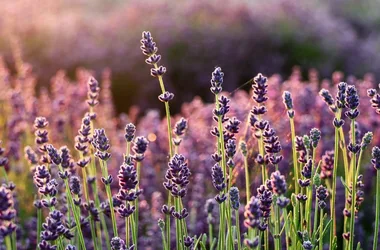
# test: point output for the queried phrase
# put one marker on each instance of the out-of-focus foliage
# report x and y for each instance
(240, 36)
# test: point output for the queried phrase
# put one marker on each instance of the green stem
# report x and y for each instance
(277, 242)
(8, 243)
(310, 193)
(238, 229)
(127, 230)
(102, 219)
(321, 230)
(210, 234)
(353, 194)
(247, 186)
(168, 121)
(39, 224)
(295, 168)
(333, 189)
(109, 195)
(164, 240)
(376, 233)
(87, 197)
(287, 230)
(136, 213)
(5, 174)
(315, 218)
(221, 239)
(179, 237)
(75, 212)
(293, 136)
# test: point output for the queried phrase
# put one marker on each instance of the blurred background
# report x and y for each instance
(243, 37)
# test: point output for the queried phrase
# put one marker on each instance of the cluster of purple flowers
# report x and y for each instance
(70, 205)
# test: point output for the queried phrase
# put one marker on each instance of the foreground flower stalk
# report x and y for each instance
(150, 49)
(376, 164)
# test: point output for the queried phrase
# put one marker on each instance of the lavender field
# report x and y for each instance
(273, 162)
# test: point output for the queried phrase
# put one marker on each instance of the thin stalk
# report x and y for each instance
(296, 174)
(333, 188)
(220, 143)
(277, 239)
(5, 174)
(353, 194)
(224, 167)
(102, 219)
(302, 214)
(310, 192)
(167, 109)
(164, 240)
(221, 239)
(75, 212)
(321, 230)
(127, 229)
(295, 167)
(14, 243)
(133, 221)
(344, 151)
(87, 197)
(8, 243)
(168, 121)
(177, 227)
(247, 186)
(238, 236)
(376, 233)
(39, 224)
(266, 239)
(136, 213)
(287, 230)
(315, 218)
(264, 178)
(210, 234)
(109, 195)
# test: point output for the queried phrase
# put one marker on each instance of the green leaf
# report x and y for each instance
(204, 238)
(197, 242)
(326, 227)
(345, 185)
(202, 246)
(358, 247)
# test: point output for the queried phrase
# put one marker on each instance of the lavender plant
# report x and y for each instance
(288, 173)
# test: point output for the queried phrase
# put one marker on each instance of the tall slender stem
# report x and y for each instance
(39, 224)
(353, 194)
(277, 238)
(287, 229)
(321, 230)
(377, 215)
(295, 167)
(136, 213)
(210, 233)
(127, 229)
(168, 120)
(247, 186)
(109, 196)
(76, 215)
(238, 236)
(333, 189)
(296, 174)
